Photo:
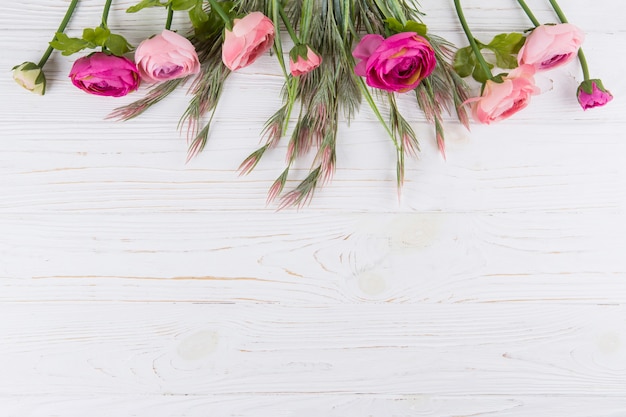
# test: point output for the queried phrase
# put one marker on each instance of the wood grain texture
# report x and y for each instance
(135, 284)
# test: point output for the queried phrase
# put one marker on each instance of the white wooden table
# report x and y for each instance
(133, 284)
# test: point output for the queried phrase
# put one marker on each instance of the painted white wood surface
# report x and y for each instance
(133, 284)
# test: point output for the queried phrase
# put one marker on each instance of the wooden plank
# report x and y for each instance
(245, 349)
(313, 405)
(314, 257)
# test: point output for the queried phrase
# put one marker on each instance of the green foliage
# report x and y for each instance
(145, 4)
(207, 25)
(504, 47)
(91, 39)
(395, 26)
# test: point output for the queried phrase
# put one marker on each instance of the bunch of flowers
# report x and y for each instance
(344, 51)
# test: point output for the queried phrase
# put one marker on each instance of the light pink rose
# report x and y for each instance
(250, 38)
(591, 93)
(166, 57)
(105, 75)
(502, 100)
(550, 46)
(300, 65)
(398, 63)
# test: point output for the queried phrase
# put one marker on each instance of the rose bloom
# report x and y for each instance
(250, 38)
(31, 77)
(550, 46)
(105, 75)
(398, 63)
(591, 93)
(166, 57)
(299, 65)
(502, 100)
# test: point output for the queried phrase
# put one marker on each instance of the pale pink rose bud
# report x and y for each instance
(166, 56)
(550, 46)
(591, 93)
(250, 38)
(501, 100)
(31, 77)
(303, 59)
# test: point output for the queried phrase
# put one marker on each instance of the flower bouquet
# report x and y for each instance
(342, 52)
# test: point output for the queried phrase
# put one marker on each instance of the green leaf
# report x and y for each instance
(507, 43)
(419, 28)
(207, 25)
(97, 36)
(505, 46)
(394, 25)
(145, 4)
(464, 61)
(198, 16)
(479, 74)
(117, 44)
(68, 45)
(183, 4)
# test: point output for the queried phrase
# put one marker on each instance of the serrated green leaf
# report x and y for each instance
(419, 28)
(183, 4)
(97, 36)
(464, 61)
(506, 43)
(145, 4)
(117, 44)
(505, 61)
(69, 46)
(205, 25)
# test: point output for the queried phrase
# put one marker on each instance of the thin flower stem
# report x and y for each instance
(285, 20)
(558, 11)
(581, 55)
(528, 12)
(170, 17)
(583, 64)
(62, 26)
(105, 13)
(472, 41)
(227, 22)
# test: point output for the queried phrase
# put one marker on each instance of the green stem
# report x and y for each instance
(170, 16)
(558, 11)
(581, 54)
(105, 13)
(583, 64)
(472, 41)
(62, 26)
(220, 11)
(529, 13)
(285, 20)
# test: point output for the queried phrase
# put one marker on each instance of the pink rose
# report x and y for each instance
(398, 63)
(166, 57)
(502, 100)
(105, 75)
(250, 38)
(591, 93)
(299, 64)
(550, 46)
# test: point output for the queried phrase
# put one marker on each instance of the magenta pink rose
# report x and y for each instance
(105, 75)
(166, 57)
(250, 38)
(550, 46)
(299, 65)
(591, 93)
(398, 63)
(502, 100)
